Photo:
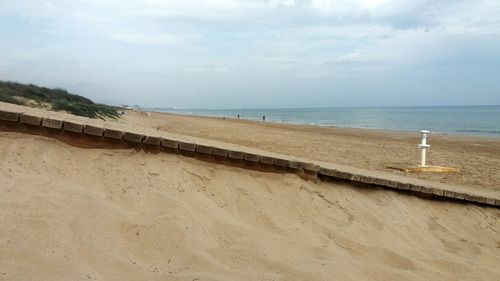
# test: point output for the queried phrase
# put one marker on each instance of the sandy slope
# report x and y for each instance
(476, 157)
(87, 214)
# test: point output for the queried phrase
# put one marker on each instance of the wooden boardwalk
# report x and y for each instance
(89, 135)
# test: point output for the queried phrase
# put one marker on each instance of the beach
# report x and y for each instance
(455, 120)
(71, 213)
(239, 140)
(83, 213)
(476, 157)
(372, 150)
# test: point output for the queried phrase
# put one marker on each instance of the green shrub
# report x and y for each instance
(60, 99)
(7, 98)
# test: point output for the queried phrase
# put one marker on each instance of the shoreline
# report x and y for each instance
(292, 125)
(475, 156)
(88, 136)
(492, 136)
(372, 150)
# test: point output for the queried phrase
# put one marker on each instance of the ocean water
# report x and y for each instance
(456, 120)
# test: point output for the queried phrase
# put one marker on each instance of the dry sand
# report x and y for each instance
(477, 158)
(70, 213)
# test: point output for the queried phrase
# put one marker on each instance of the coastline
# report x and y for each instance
(475, 156)
(292, 125)
(112, 213)
(371, 150)
(336, 129)
(481, 121)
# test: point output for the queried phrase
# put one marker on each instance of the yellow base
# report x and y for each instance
(426, 169)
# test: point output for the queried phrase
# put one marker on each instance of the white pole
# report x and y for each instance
(423, 146)
(422, 161)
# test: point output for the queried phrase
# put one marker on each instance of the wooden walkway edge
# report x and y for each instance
(87, 135)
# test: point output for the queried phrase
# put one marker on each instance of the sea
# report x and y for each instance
(454, 120)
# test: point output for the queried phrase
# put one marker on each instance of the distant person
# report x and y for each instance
(238, 116)
(264, 118)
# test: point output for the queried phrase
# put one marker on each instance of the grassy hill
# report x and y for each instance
(54, 99)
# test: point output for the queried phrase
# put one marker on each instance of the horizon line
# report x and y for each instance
(319, 107)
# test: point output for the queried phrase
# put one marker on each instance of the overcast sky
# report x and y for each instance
(254, 54)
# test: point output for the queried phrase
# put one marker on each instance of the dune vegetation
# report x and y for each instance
(54, 99)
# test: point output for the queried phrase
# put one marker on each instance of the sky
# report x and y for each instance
(257, 54)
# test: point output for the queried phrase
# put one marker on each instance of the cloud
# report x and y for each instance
(182, 40)
(349, 57)
(148, 39)
(212, 69)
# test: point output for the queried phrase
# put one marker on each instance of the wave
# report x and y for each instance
(493, 132)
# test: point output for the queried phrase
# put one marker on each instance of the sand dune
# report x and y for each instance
(69, 213)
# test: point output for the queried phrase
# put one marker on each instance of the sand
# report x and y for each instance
(70, 213)
(476, 157)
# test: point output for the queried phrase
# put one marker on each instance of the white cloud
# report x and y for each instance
(286, 3)
(294, 38)
(210, 69)
(372, 4)
(156, 39)
(349, 56)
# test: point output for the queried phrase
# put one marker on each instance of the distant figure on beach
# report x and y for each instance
(238, 116)
(264, 118)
